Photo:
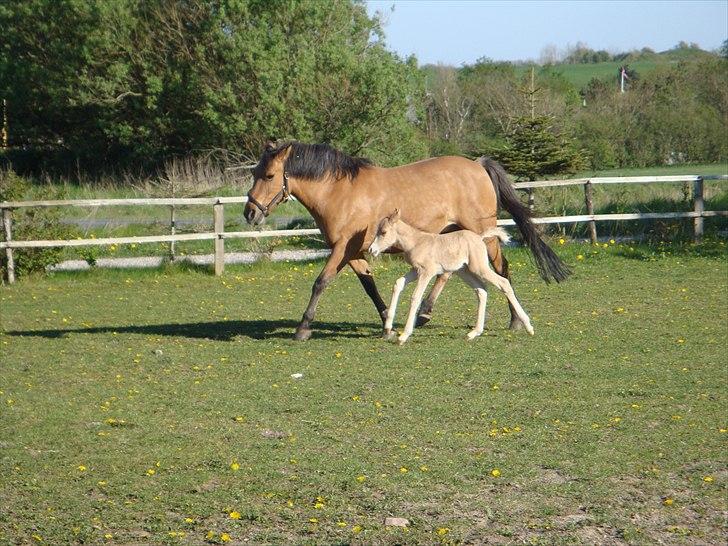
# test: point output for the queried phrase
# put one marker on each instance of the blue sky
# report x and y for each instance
(461, 31)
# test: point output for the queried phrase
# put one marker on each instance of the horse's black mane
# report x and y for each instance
(314, 161)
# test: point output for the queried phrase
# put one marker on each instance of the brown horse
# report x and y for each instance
(348, 196)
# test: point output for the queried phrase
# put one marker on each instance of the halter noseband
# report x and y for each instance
(281, 197)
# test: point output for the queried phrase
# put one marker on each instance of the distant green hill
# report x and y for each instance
(580, 74)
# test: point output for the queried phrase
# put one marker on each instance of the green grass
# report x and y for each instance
(126, 396)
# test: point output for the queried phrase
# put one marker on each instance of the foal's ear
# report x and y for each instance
(395, 215)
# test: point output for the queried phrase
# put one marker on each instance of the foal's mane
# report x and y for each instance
(315, 161)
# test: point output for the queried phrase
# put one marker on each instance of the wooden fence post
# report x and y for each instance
(7, 225)
(173, 230)
(698, 207)
(531, 199)
(590, 211)
(218, 217)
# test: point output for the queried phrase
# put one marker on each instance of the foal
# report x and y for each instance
(461, 252)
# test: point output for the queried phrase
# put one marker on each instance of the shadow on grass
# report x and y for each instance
(219, 330)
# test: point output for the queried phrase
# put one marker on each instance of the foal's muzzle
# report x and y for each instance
(374, 249)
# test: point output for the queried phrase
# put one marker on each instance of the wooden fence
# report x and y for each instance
(218, 235)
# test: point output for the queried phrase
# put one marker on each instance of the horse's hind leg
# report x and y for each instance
(479, 288)
(501, 283)
(500, 265)
(361, 268)
(424, 315)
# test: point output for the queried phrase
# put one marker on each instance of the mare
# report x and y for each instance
(348, 196)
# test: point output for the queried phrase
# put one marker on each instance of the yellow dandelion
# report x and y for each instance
(151, 472)
(356, 529)
(668, 501)
(37, 537)
(495, 473)
(189, 520)
(225, 537)
(424, 468)
(234, 466)
(708, 479)
(313, 520)
(319, 505)
(579, 256)
(361, 479)
(403, 469)
(108, 536)
(442, 531)
(81, 468)
(341, 523)
(562, 241)
(235, 515)
(210, 535)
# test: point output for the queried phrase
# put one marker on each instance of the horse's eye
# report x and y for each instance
(269, 176)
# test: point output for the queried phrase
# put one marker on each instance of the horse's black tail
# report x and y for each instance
(548, 263)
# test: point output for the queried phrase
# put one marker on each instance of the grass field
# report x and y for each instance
(159, 407)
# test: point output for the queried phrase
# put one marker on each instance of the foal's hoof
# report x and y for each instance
(302, 334)
(423, 319)
(388, 335)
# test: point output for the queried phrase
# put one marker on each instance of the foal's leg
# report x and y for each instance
(501, 283)
(424, 314)
(479, 287)
(423, 279)
(341, 253)
(500, 265)
(396, 291)
(361, 268)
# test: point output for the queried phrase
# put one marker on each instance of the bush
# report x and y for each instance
(30, 224)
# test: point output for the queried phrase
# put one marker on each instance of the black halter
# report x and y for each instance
(280, 197)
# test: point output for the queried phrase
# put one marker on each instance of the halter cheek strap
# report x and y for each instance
(281, 197)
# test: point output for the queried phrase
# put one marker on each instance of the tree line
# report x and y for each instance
(103, 85)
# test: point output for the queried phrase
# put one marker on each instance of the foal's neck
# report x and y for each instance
(408, 236)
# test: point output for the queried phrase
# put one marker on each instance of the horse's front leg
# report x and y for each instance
(396, 291)
(425, 312)
(361, 268)
(423, 279)
(334, 264)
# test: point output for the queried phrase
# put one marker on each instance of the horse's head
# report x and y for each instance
(270, 183)
(386, 234)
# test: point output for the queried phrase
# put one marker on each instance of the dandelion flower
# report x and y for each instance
(495, 473)
(235, 515)
(356, 529)
(225, 537)
(442, 531)
(313, 520)
(234, 466)
(361, 479)
(668, 501)
(81, 468)
(708, 479)
(151, 472)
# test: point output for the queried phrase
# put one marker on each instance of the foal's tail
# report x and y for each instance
(549, 264)
(499, 232)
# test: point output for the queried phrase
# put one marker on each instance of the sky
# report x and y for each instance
(458, 32)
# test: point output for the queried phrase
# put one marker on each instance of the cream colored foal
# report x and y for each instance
(460, 252)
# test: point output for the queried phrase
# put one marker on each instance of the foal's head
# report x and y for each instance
(386, 234)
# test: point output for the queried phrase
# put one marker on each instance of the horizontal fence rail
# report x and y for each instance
(219, 234)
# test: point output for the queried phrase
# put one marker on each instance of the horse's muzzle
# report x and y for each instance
(253, 215)
(374, 250)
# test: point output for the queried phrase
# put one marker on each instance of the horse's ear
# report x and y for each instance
(270, 144)
(395, 215)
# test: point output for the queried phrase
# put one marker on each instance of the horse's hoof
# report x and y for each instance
(516, 324)
(472, 335)
(423, 319)
(302, 334)
(388, 335)
(401, 340)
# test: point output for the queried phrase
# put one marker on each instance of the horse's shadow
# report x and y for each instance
(219, 330)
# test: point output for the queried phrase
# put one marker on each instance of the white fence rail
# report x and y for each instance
(219, 234)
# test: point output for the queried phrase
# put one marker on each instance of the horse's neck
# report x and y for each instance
(408, 236)
(314, 195)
